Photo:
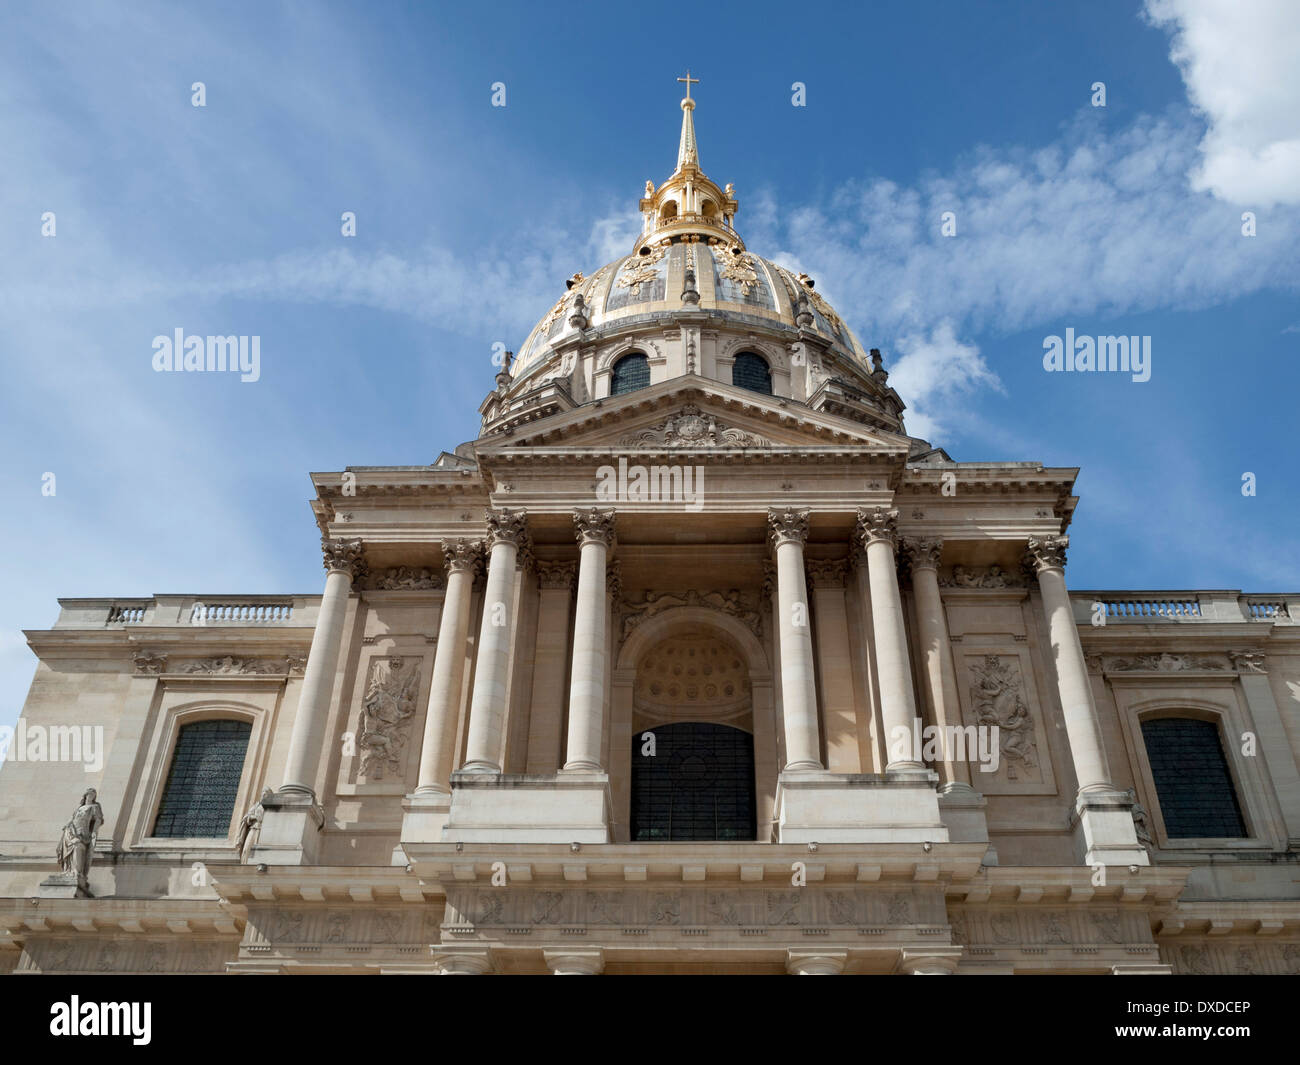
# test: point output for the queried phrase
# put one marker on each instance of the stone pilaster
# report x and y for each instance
(839, 704)
(546, 718)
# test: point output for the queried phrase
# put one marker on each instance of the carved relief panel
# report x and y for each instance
(998, 695)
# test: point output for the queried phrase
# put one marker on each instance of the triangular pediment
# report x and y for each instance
(693, 413)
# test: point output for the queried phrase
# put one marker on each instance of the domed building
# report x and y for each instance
(693, 661)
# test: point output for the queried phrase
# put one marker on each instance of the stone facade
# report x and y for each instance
(447, 741)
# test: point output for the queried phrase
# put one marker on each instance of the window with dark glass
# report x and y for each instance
(697, 785)
(199, 799)
(1193, 784)
(750, 371)
(630, 373)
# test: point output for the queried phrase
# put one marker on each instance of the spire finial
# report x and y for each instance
(689, 82)
(688, 153)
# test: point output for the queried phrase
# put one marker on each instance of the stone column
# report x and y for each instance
(595, 532)
(507, 532)
(343, 561)
(1047, 558)
(878, 532)
(546, 718)
(789, 531)
(1105, 815)
(940, 675)
(437, 755)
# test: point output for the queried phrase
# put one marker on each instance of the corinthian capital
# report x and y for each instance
(462, 556)
(827, 572)
(877, 524)
(594, 526)
(556, 574)
(343, 556)
(788, 526)
(1046, 553)
(507, 526)
(922, 553)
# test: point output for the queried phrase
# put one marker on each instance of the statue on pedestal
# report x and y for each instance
(77, 842)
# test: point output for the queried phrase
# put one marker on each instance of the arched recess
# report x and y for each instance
(654, 631)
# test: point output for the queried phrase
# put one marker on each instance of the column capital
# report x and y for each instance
(614, 580)
(575, 962)
(769, 580)
(557, 574)
(1046, 553)
(815, 963)
(463, 963)
(827, 572)
(787, 525)
(940, 961)
(923, 552)
(462, 556)
(877, 524)
(343, 556)
(506, 526)
(594, 526)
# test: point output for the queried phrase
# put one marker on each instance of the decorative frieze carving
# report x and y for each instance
(343, 556)
(230, 666)
(787, 525)
(728, 602)
(1247, 661)
(877, 524)
(408, 578)
(149, 662)
(1164, 663)
(1047, 553)
(997, 699)
(386, 714)
(594, 526)
(684, 910)
(987, 577)
(557, 574)
(692, 428)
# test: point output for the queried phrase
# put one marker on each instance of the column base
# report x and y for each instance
(963, 811)
(424, 816)
(527, 808)
(822, 807)
(290, 830)
(1104, 830)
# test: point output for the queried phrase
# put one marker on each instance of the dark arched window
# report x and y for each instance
(750, 371)
(630, 373)
(697, 784)
(1193, 785)
(199, 799)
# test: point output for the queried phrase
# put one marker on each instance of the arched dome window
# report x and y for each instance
(751, 371)
(667, 212)
(630, 373)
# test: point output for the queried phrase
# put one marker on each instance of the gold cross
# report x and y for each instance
(689, 81)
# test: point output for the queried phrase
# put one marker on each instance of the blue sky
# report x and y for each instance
(377, 349)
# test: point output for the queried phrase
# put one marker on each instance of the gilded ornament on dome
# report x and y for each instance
(645, 271)
(739, 269)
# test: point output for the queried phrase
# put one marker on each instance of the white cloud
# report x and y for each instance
(1241, 67)
(934, 370)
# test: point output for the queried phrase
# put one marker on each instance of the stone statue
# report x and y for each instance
(1141, 822)
(649, 188)
(250, 821)
(77, 843)
(964, 578)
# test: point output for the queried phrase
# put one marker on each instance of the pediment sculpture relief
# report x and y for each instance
(692, 427)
